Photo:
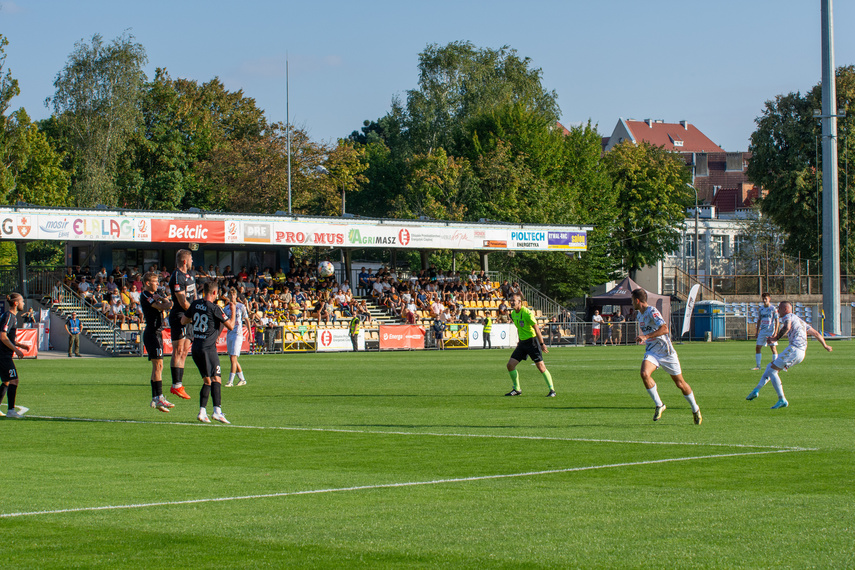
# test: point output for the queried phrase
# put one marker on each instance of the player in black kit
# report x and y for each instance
(208, 320)
(153, 305)
(9, 348)
(182, 288)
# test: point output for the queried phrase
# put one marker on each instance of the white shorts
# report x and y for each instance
(670, 364)
(233, 344)
(761, 339)
(789, 358)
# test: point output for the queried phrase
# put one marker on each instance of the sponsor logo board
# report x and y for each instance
(188, 231)
(572, 241)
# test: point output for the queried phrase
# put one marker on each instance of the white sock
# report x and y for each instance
(654, 393)
(758, 357)
(240, 375)
(203, 412)
(776, 383)
(765, 378)
(231, 377)
(217, 410)
(691, 399)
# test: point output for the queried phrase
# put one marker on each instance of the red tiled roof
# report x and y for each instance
(687, 138)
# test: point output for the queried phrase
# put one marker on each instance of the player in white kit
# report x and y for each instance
(766, 326)
(234, 338)
(659, 353)
(796, 330)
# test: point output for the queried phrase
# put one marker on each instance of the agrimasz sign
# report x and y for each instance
(87, 226)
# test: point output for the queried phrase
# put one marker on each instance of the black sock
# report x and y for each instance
(174, 373)
(203, 395)
(216, 392)
(157, 388)
(181, 375)
(13, 389)
(153, 389)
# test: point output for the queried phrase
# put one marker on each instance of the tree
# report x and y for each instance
(459, 81)
(97, 105)
(652, 194)
(786, 163)
(436, 188)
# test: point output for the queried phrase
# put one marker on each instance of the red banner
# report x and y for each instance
(410, 337)
(188, 231)
(221, 342)
(30, 337)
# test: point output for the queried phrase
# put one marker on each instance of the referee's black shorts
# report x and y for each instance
(526, 348)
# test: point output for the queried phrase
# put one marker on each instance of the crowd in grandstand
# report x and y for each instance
(276, 298)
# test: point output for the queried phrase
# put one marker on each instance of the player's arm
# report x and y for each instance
(662, 330)
(4, 338)
(780, 334)
(186, 319)
(230, 322)
(818, 336)
(181, 297)
(161, 304)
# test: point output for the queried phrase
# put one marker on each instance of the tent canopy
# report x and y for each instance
(621, 294)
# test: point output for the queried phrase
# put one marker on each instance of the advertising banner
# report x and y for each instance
(504, 335)
(85, 225)
(410, 337)
(200, 231)
(221, 343)
(338, 340)
(569, 241)
(44, 329)
(29, 337)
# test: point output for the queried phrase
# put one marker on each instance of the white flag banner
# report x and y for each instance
(690, 306)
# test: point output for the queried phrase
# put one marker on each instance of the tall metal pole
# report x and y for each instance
(288, 132)
(830, 216)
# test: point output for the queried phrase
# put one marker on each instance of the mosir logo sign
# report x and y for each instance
(188, 230)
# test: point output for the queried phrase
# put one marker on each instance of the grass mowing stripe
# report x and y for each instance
(430, 434)
(394, 485)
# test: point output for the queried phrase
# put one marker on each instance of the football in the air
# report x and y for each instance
(325, 269)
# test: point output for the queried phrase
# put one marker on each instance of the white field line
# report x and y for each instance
(389, 485)
(426, 434)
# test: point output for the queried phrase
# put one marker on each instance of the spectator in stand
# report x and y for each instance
(515, 289)
(57, 295)
(69, 276)
(503, 315)
(102, 273)
(422, 301)
(242, 275)
(111, 284)
(505, 289)
(411, 313)
(115, 310)
(436, 308)
(137, 284)
(83, 287)
(377, 290)
(134, 295)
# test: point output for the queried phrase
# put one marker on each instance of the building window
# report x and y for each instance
(690, 245)
(741, 245)
(734, 162)
(717, 244)
(702, 164)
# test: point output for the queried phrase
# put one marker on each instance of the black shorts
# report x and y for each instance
(208, 363)
(153, 344)
(526, 348)
(8, 372)
(177, 331)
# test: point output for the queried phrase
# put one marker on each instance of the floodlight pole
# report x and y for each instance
(830, 214)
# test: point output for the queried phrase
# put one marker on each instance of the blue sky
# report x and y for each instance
(713, 64)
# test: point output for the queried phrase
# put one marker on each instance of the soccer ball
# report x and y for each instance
(325, 269)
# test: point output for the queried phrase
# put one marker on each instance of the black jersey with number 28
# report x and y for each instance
(207, 321)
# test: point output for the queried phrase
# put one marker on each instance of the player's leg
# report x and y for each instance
(758, 356)
(241, 379)
(11, 395)
(648, 367)
(779, 388)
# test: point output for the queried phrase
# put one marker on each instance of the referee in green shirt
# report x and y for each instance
(530, 344)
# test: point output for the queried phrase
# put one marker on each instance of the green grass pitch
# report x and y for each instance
(417, 460)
